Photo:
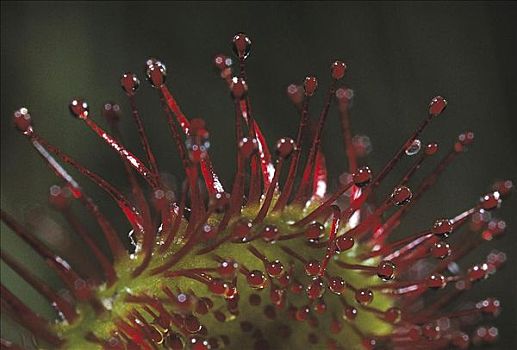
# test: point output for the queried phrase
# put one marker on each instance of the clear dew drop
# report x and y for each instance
(129, 83)
(349, 313)
(490, 201)
(284, 147)
(241, 45)
(393, 315)
(338, 70)
(344, 243)
(364, 296)
(256, 279)
(401, 195)
(441, 250)
(22, 120)
(156, 72)
(336, 284)
(227, 268)
(414, 148)
(79, 108)
(270, 233)
(274, 268)
(314, 231)
(436, 281)
(248, 146)
(386, 270)
(437, 106)
(312, 268)
(431, 148)
(362, 176)
(442, 227)
(310, 85)
(238, 88)
(315, 289)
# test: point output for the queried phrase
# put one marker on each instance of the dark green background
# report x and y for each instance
(399, 56)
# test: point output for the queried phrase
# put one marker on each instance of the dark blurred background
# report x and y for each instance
(399, 56)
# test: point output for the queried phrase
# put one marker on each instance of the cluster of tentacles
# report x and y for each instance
(274, 262)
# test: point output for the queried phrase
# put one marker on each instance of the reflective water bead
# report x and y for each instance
(248, 146)
(217, 286)
(241, 229)
(336, 284)
(442, 227)
(431, 148)
(256, 279)
(401, 195)
(441, 250)
(274, 268)
(227, 268)
(270, 233)
(284, 147)
(129, 83)
(344, 243)
(437, 106)
(241, 45)
(22, 120)
(364, 296)
(312, 267)
(490, 201)
(309, 85)
(349, 313)
(386, 270)
(414, 148)
(79, 108)
(239, 88)
(314, 231)
(393, 315)
(315, 289)
(156, 72)
(338, 70)
(436, 281)
(362, 176)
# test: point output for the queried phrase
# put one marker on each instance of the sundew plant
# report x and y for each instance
(318, 239)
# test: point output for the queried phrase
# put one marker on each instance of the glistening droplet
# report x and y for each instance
(256, 279)
(437, 106)
(441, 250)
(129, 83)
(414, 148)
(248, 146)
(315, 289)
(274, 268)
(314, 231)
(386, 270)
(241, 45)
(79, 108)
(442, 227)
(284, 147)
(239, 88)
(401, 195)
(22, 120)
(309, 85)
(336, 284)
(338, 70)
(156, 72)
(362, 176)
(364, 296)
